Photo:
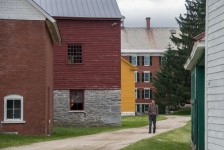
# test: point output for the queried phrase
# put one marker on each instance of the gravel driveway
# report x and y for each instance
(109, 140)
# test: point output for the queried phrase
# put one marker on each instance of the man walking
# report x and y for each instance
(153, 112)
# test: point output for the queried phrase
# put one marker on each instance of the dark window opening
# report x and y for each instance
(74, 54)
(76, 100)
(13, 109)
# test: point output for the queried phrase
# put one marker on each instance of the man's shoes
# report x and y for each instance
(154, 132)
(150, 132)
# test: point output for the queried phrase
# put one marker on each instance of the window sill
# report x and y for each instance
(13, 121)
(77, 111)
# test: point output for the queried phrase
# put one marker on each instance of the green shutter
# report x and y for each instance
(138, 59)
(150, 77)
(143, 94)
(143, 79)
(137, 77)
(143, 58)
(150, 60)
(138, 94)
(130, 59)
(150, 94)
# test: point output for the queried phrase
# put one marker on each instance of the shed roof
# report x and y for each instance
(196, 53)
(143, 39)
(81, 8)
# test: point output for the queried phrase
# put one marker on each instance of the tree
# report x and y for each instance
(173, 81)
(169, 82)
(191, 24)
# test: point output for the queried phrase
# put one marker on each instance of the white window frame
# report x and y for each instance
(136, 76)
(134, 57)
(145, 61)
(136, 93)
(147, 72)
(149, 93)
(13, 97)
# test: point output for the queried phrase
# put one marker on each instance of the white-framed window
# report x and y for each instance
(136, 76)
(146, 76)
(133, 60)
(146, 60)
(13, 109)
(146, 93)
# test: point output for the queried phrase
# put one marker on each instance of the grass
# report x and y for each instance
(178, 139)
(66, 132)
(183, 112)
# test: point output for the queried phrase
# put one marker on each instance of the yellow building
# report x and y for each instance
(127, 88)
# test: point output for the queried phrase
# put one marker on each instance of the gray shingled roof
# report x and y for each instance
(145, 39)
(81, 8)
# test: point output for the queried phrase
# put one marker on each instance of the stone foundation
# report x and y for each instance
(101, 108)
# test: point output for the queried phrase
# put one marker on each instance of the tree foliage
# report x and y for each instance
(173, 81)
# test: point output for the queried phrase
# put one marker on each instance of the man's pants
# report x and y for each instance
(152, 119)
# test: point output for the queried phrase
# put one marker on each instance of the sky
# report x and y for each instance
(161, 12)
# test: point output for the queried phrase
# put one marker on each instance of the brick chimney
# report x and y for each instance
(148, 22)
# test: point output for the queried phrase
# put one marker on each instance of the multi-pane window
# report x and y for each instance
(74, 54)
(76, 100)
(146, 60)
(146, 93)
(146, 76)
(13, 108)
(134, 60)
(137, 93)
(136, 76)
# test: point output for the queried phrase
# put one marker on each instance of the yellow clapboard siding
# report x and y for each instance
(127, 86)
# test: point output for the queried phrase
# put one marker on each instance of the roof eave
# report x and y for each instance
(133, 68)
(195, 55)
(55, 36)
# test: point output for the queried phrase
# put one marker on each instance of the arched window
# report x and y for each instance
(13, 109)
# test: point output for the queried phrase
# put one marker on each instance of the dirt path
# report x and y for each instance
(109, 140)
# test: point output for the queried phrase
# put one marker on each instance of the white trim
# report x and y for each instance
(148, 72)
(206, 65)
(13, 97)
(144, 93)
(144, 60)
(13, 122)
(136, 76)
(158, 51)
(195, 55)
(136, 93)
(127, 113)
(136, 60)
(76, 111)
(51, 19)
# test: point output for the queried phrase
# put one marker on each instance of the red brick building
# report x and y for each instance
(26, 68)
(143, 47)
(87, 64)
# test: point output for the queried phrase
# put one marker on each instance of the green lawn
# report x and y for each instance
(183, 112)
(62, 132)
(178, 139)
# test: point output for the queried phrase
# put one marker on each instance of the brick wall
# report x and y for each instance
(23, 65)
(155, 67)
